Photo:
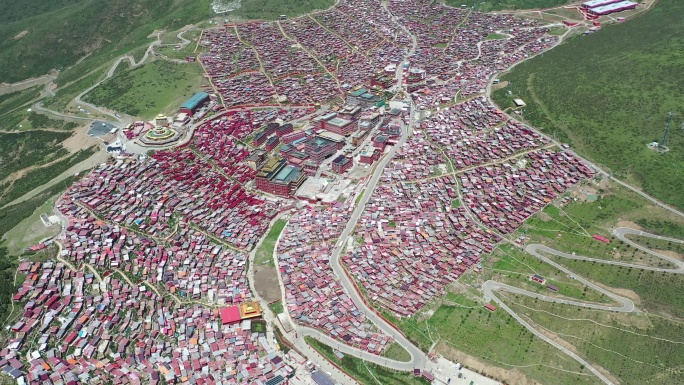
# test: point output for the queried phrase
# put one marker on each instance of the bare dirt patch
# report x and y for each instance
(508, 375)
(503, 84)
(20, 35)
(544, 217)
(629, 224)
(671, 254)
(80, 140)
(623, 292)
(266, 283)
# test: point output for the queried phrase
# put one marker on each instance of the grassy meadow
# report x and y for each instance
(264, 255)
(153, 88)
(497, 5)
(363, 372)
(608, 95)
(498, 340)
(44, 35)
(634, 348)
(272, 9)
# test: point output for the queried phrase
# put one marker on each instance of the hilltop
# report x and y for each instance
(37, 36)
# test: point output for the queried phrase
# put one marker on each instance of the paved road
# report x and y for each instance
(489, 288)
(620, 234)
(110, 73)
(78, 100)
(38, 107)
(418, 358)
(627, 306)
(296, 339)
(6, 88)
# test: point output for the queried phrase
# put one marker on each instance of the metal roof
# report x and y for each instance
(613, 6)
(597, 3)
(195, 100)
(321, 378)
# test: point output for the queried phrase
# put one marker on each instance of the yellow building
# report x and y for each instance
(249, 310)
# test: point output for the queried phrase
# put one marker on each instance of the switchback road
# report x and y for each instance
(626, 305)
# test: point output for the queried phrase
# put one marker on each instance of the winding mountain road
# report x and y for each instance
(627, 306)
(110, 73)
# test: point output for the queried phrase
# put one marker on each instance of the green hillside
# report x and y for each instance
(496, 5)
(609, 93)
(38, 35)
(156, 87)
(271, 9)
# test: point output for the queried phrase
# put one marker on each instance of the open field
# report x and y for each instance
(31, 230)
(68, 92)
(24, 149)
(276, 307)
(366, 373)
(171, 40)
(271, 9)
(14, 189)
(674, 248)
(514, 267)
(662, 227)
(657, 292)
(496, 36)
(570, 226)
(264, 255)
(16, 100)
(635, 348)
(180, 54)
(58, 33)
(496, 5)
(156, 87)
(396, 352)
(7, 285)
(624, 81)
(497, 339)
(265, 273)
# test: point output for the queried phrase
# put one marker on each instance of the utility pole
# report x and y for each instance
(663, 142)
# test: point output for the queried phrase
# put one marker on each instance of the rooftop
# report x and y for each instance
(331, 136)
(339, 122)
(272, 167)
(287, 174)
(195, 100)
(358, 92)
(321, 378)
(341, 160)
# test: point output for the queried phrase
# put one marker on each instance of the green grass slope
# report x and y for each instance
(634, 348)
(609, 93)
(57, 33)
(155, 87)
(496, 5)
(271, 9)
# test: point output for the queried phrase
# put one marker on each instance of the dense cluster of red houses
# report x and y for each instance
(76, 329)
(314, 296)
(417, 159)
(412, 243)
(169, 232)
(145, 195)
(502, 196)
(474, 133)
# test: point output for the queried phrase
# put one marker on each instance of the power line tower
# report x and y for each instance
(663, 142)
